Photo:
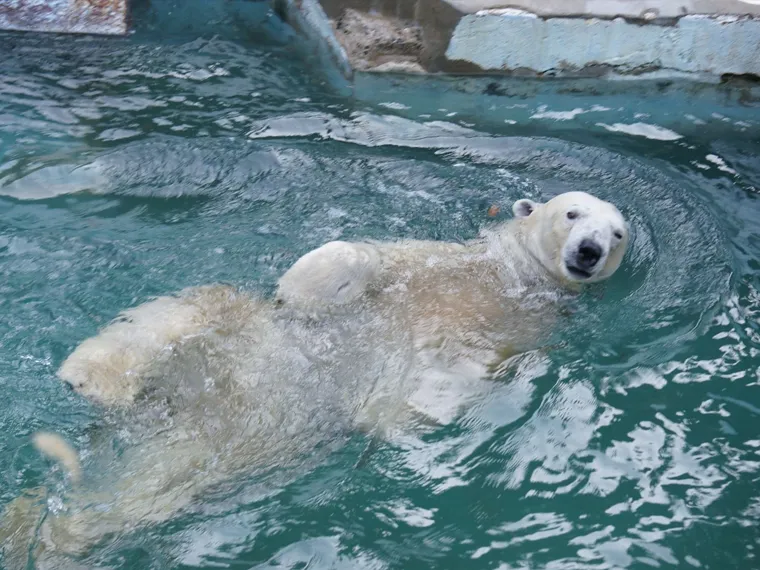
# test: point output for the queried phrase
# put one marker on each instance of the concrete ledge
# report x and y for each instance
(107, 17)
(697, 39)
(646, 10)
(523, 42)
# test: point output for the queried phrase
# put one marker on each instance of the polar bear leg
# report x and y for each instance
(108, 368)
(335, 273)
(157, 479)
(18, 527)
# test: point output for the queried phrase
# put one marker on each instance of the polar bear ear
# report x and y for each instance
(523, 208)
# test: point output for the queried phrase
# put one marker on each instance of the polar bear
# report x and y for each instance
(214, 383)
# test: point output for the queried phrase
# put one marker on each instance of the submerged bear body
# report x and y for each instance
(214, 383)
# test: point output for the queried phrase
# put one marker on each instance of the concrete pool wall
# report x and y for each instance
(694, 39)
(699, 39)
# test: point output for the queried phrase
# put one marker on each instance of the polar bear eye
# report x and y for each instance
(618, 235)
(571, 215)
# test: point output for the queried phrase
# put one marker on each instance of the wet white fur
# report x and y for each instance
(55, 447)
(450, 310)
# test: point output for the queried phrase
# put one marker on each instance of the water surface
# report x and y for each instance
(136, 167)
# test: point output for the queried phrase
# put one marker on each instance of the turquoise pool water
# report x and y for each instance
(136, 167)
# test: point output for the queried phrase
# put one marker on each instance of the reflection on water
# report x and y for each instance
(131, 168)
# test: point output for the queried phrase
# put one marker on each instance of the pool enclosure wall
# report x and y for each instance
(704, 40)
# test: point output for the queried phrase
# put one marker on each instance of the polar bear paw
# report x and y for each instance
(334, 274)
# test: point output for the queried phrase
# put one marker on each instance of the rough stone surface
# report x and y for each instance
(581, 38)
(107, 17)
(374, 42)
(432, 21)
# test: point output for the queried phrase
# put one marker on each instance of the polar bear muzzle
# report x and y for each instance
(585, 259)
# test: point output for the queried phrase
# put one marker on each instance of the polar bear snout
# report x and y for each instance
(586, 258)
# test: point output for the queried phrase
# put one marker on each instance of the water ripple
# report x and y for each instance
(130, 168)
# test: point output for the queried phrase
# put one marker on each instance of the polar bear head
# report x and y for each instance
(577, 237)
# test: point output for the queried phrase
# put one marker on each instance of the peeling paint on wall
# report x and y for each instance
(65, 16)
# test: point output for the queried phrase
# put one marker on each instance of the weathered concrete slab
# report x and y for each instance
(630, 9)
(524, 43)
(700, 39)
(108, 17)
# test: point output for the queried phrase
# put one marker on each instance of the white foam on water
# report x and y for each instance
(394, 105)
(645, 130)
(720, 163)
(542, 113)
(557, 115)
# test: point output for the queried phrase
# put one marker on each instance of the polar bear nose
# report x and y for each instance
(589, 254)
